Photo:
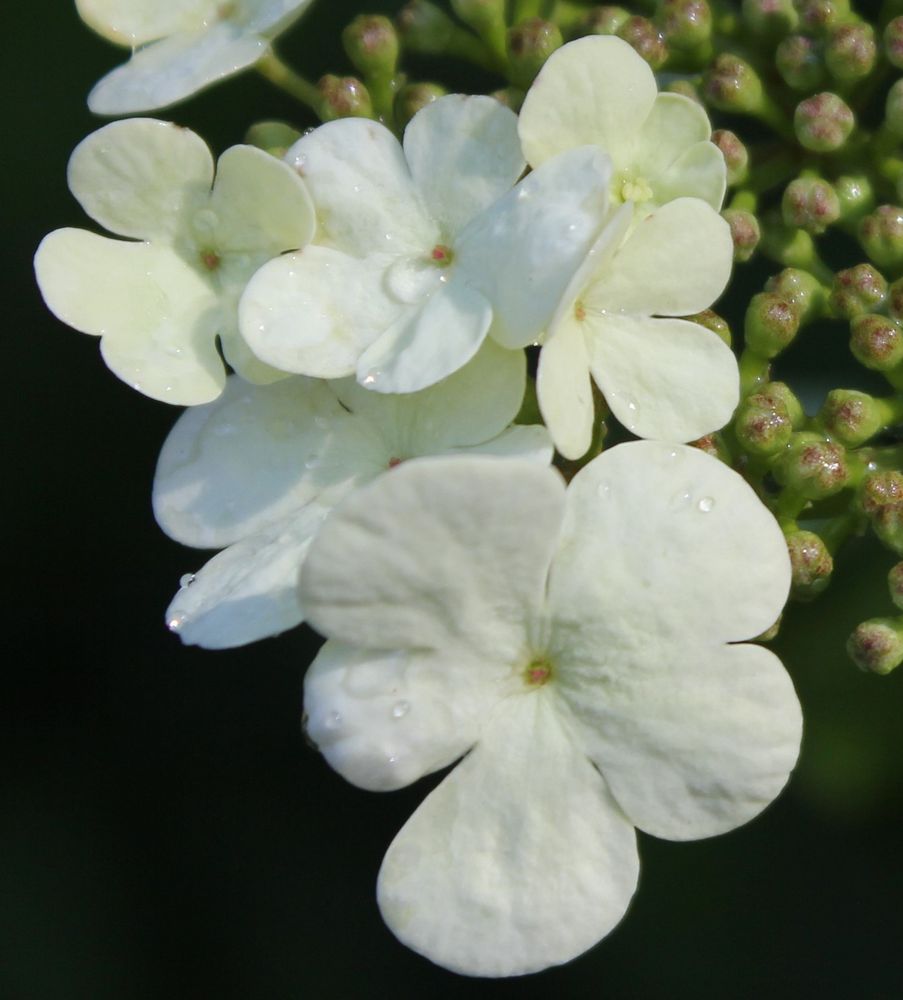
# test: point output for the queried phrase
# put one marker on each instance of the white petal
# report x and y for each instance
(428, 342)
(366, 200)
(699, 173)
(250, 590)
(251, 458)
(261, 203)
(665, 540)
(316, 311)
(667, 379)
(469, 407)
(157, 316)
(174, 68)
(134, 22)
(594, 91)
(243, 360)
(141, 177)
(673, 125)
(564, 391)
(693, 741)
(523, 251)
(270, 17)
(526, 441)
(385, 719)
(432, 556)
(463, 154)
(518, 861)
(675, 262)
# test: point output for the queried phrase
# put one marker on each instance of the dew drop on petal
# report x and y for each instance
(175, 623)
(680, 500)
(400, 709)
(391, 758)
(333, 720)
(603, 490)
(187, 580)
(706, 504)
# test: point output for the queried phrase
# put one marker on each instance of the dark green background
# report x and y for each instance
(164, 830)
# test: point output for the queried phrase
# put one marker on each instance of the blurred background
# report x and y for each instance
(164, 830)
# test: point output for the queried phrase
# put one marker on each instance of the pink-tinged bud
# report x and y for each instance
(819, 16)
(851, 417)
(733, 85)
(876, 646)
(800, 288)
(770, 325)
(745, 232)
(895, 584)
(893, 42)
(780, 394)
(712, 321)
(881, 236)
(893, 109)
(823, 123)
(895, 300)
(811, 204)
(604, 20)
(877, 342)
(769, 20)
(424, 27)
(529, 45)
(274, 138)
(762, 426)
(798, 59)
(880, 489)
(371, 43)
(414, 96)
(851, 52)
(686, 24)
(811, 565)
(736, 155)
(857, 290)
(812, 466)
(343, 97)
(713, 444)
(646, 39)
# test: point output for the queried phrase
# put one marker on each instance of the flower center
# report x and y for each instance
(441, 255)
(633, 188)
(210, 260)
(579, 311)
(537, 672)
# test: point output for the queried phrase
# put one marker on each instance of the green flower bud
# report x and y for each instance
(812, 466)
(686, 24)
(712, 321)
(876, 342)
(529, 45)
(798, 59)
(811, 565)
(511, 97)
(857, 290)
(856, 196)
(823, 123)
(713, 444)
(604, 20)
(685, 88)
(881, 236)
(895, 584)
(762, 426)
(893, 109)
(851, 52)
(819, 16)
(771, 632)
(273, 137)
(646, 40)
(887, 523)
(343, 97)
(424, 27)
(371, 44)
(733, 85)
(482, 15)
(801, 288)
(876, 646)
(893, 42)
(895, 300)
(811, 204)
(736, 156)
(770, 324)
(880, 489)
(851, 417)
(413, 97)
(745, 232)
(780, 394)
(769, 19)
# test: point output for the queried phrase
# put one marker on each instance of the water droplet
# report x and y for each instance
(400, 709)
(187, 580)
(370, 378)
(681, 500)
(299, 163)
(523, 194)
(706, 504)
(672, 453)
(333, 720)
(572, 228)
(392, 758)
(175, 623)
(603, 490)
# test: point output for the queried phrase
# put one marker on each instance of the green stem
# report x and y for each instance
(754, 372)
(284, 77)
(837, 530)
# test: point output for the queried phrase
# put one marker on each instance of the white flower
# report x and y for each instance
(598, 90)
(180, 46)
(579, 648)
(160, 305)
(662, 377)
(259, 469)
(423, 249)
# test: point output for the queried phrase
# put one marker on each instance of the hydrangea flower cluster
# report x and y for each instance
(353, 322)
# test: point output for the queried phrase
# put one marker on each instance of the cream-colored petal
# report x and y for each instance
(157, 316)
(673, 125)
(463, 154)
(519, 860)
(692, 740)
(176, 67)
(526, 441)
(142, 177)
(675, 262)
(699, 172)
(270, 17)
(667, 379)
(705, 556)
(134, 22)
(564, 391)
(593, 91)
